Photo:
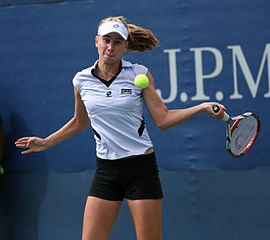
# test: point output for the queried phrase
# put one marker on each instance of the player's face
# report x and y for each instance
(111, 48)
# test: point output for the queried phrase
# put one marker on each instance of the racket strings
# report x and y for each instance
(243, 134)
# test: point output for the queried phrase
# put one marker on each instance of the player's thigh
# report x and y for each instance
(147, 217)
(99, 216)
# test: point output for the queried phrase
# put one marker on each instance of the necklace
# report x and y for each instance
(109, 73)
(102, 71)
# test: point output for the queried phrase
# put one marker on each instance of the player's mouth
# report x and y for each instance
(109, 55)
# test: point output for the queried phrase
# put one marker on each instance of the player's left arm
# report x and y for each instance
(166, 118)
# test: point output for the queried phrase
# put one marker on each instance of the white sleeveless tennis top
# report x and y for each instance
(115, 109)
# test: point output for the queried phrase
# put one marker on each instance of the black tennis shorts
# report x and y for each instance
(132, 178)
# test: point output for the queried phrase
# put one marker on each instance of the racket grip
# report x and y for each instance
(226, 117)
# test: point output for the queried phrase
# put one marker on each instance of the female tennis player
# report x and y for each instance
(106, 98)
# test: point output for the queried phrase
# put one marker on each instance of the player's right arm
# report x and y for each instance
(166, 118)
(79, 122)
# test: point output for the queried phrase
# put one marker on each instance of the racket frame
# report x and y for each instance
(230, 129)
(237, 120)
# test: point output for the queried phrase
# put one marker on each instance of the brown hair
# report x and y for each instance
(139, 39)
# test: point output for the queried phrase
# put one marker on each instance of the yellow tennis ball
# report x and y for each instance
(1, 171)
(141, 81)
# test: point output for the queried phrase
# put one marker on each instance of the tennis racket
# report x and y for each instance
(242, 133)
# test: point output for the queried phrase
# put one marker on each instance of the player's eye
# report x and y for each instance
(106, 40)
(118, 42)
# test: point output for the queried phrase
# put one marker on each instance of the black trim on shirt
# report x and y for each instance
(141, 128)
(106, 82)
(96, 134)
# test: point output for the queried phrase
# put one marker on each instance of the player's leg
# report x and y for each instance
(99, 216)
(147, 217)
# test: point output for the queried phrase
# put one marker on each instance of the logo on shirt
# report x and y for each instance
(126, 91)
(109, 94)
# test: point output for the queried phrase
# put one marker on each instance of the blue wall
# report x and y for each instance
(209, 52)
(221, 52)
(198, 204)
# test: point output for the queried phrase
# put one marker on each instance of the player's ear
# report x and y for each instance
(96, 41)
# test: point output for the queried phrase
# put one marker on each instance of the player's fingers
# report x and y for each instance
(27, 151)
(22, 140)
(222, 107)
(220, 114)
(217, 108)
(21, 144)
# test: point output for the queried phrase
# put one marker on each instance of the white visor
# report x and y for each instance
(113, 26)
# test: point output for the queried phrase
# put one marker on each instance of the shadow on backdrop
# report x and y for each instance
(17, 199)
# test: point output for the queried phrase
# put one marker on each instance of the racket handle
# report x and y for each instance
(226, 117)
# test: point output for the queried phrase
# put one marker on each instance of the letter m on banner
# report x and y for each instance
(238, 57)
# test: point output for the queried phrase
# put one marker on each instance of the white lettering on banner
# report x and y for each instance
(239, 57)
(173, 75)
(201, 76)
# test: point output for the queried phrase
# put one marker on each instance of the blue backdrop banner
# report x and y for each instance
(210, 51)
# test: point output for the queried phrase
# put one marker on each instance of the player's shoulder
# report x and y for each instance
(136, 67)
(83, 76)
(84, 72)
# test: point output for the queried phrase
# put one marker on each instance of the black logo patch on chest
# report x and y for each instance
(126, 91)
